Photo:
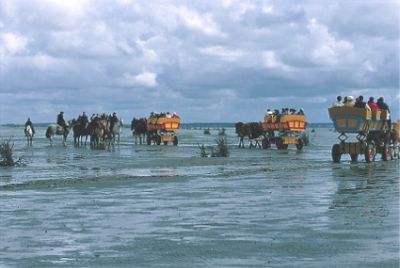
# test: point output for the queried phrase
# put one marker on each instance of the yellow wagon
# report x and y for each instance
(372, 132)
(283, 130)
(163, 128)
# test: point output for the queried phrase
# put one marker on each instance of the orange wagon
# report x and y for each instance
(163, 128)
(283, 130)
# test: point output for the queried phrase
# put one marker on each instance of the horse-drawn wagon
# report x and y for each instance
(163, 128)
(283, 130)
(371, 130)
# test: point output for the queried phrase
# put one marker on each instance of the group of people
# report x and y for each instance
(359, 102)
(163, 115)
(273, 116)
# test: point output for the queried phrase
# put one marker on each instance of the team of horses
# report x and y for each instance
(98, 130)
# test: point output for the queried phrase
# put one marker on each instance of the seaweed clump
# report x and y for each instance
(6, 154)
(221, 149)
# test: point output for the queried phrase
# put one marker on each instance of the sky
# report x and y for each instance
(208, 61)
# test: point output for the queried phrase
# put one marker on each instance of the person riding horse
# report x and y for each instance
(29, 123)
(113, 119)
(61, 121)
(83, 119)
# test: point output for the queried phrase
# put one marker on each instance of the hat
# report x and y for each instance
(61, 112)
(350, 98)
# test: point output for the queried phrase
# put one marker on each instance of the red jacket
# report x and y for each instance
(373, 106)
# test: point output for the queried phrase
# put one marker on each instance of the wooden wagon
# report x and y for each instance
(163, 129)
(371, 130)
(283, 130)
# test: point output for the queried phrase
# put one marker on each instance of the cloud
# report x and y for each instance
(223, 53)
(272, 61)
(327, 49)
(146, 79)
(207, 60)
(12, 44)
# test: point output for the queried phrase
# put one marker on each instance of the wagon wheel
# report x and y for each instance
(300, 144)
(396, 151)
(370, 152)
(265, 143)
(280, 145)
(354, 157)
(336, 154)
(386, 153)
(158, 139)
(175, 141)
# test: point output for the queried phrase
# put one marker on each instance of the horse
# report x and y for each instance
(252, 130)
(29, 134)
(139, 129)
(55, 129)
(80, 131)
(116, 131)
(99, 131)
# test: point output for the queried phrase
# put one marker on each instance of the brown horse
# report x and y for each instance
(139, 129)
(80, 131)
(252, 130)
(99, 131)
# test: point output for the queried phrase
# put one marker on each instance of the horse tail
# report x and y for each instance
(48, 133)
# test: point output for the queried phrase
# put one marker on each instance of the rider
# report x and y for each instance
(29, 123)
(113, 119)
(61, 121)
(83, 119)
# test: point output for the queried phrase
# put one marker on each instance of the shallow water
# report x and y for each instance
(165, 206)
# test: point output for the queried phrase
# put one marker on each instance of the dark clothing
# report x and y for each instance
(29, 123)
(383, 105)
(61, 121)
(83, 120)
(113, 119)
(359, 104)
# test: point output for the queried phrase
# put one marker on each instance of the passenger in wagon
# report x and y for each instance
(338, 102)
(381, 103)
(360, 103)
(349, 102)
(373, 105)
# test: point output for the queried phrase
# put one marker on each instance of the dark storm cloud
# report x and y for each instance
(222, 60)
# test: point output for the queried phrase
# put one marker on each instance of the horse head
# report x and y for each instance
(239, 128)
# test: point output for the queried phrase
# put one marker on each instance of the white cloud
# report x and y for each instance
(223, 53)
(326, 48)
(272, 61)
(146, 79)
(12, 43)
(202, 22)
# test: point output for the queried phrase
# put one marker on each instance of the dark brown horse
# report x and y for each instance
(80, 131)
(252, 130)
(139, 129)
